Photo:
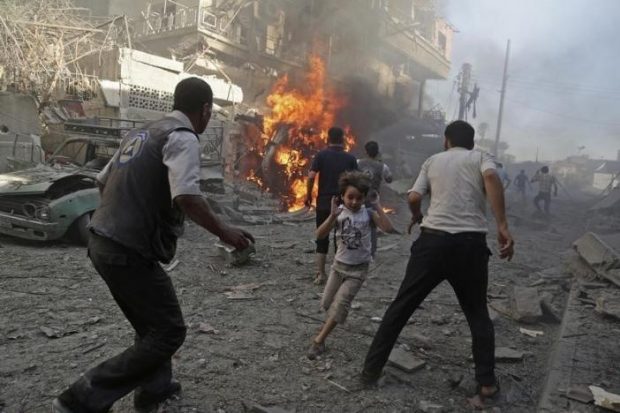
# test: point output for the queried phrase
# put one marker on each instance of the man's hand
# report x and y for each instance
(236, 237)
(308, 202)
(415, 219)
(335, 209)
(506, 243)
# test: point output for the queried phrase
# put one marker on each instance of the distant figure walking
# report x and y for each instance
(522, 182)
(546, 182)
(377, 172)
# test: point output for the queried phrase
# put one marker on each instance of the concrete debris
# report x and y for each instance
(580, 393)
(531, 333)
(550, 312)
(207, 328)
(420, 341)
(429, 407)
(50, 332)
(508, 355)
(525, 304)
(440, 319)
(608, 306)
(232, 256)
(612, 276)
(388, 247)
(606, 400)
(376, 319)
(405, 361)
(596, 252)
(340, 386)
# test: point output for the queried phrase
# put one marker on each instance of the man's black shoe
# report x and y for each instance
(60, 407)
(144, 401)
(369, 379)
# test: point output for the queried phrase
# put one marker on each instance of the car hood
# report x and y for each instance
(36, 180)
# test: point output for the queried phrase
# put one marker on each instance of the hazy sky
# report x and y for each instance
(564, 72)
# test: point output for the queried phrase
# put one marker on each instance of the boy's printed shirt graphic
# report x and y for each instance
(353, 236)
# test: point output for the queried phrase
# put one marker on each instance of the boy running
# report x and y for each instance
(353, 222)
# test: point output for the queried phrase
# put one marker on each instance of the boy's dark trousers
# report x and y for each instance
(462, 259)
(145, 294)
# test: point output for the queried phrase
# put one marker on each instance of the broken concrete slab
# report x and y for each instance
(506, 354)
(421, 341)
(605, 399)
(525, 304)
(232, 256)
(531, 333)
(405, 361)
(608, 305)
(580, 393)
(596, 252)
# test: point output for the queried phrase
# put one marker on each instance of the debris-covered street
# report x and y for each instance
(234, 206)
(249, 327)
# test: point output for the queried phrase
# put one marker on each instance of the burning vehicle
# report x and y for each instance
(56, 199)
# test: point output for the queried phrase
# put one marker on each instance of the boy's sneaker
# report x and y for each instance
(315, 350)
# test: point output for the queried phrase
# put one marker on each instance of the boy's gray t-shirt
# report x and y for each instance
(353, 236)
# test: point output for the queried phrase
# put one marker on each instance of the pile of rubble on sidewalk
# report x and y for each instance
(583, 372)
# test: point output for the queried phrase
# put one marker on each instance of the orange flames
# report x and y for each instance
(308, 113)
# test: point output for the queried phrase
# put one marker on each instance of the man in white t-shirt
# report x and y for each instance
(452, 247)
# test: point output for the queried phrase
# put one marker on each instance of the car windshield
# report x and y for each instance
(85, 153)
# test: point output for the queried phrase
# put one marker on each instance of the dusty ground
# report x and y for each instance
(257, 353)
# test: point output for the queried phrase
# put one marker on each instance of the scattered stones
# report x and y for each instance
(596, 252)
(376, 319)
(455, 379)
(605, 399)
(405, 361)
(525, 304)
(508, 355)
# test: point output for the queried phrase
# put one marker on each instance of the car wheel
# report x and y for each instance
(81, 233)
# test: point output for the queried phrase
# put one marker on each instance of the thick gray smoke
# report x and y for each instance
(564, 85)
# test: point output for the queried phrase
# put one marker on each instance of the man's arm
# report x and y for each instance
(310, 187)
(325, 228)
(181, 155)
(197, 209)
(495, 194)
(387, 174)
(414, 199)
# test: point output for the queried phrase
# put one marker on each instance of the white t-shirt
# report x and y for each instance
(455, 183)
(353, 236)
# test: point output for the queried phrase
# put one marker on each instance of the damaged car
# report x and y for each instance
(56, 199)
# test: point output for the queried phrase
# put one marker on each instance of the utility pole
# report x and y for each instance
(501, 102)
(464, 89)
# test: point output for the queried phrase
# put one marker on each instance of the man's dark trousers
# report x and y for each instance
(462, 259)
(546, 198)
(145, 294)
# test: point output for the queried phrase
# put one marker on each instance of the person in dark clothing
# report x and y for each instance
(148, 187)
(452, 246)
(377, 171)
(329, 164)
(522, 182)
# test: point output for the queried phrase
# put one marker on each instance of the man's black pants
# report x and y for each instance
(462, 259)
(322, 244)
(546, 198)
(145, 294)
